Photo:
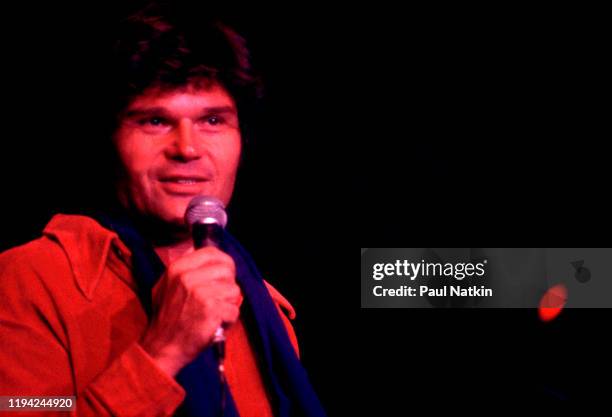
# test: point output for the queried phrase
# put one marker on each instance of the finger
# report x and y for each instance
(229, 314)
(199, 258)
(211, 275)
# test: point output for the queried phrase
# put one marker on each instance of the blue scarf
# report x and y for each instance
(283, 374)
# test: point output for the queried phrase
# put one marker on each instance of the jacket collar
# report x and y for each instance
(89, 248)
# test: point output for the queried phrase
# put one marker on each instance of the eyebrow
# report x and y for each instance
(163, 112)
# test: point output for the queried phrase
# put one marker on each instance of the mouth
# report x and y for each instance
(183, 180)
(183, 185)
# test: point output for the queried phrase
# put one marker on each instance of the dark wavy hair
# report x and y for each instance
(171, 45)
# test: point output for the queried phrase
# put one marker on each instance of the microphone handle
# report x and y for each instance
(206, 234)
(210, 234)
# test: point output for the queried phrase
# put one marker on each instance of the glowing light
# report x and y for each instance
(552, 303)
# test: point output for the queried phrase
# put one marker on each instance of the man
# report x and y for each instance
(118, 308)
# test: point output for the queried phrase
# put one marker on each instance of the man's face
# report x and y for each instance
(174, 145)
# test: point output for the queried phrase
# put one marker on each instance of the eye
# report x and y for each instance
(153, 121)
(154, 125)
(213, 120)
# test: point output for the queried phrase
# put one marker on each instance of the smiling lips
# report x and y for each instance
(183, 184)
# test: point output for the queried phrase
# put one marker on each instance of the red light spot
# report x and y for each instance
(552, 302)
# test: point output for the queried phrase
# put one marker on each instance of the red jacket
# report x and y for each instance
(70, 323)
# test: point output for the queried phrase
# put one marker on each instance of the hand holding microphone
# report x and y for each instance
(206, 218)
(196, 296)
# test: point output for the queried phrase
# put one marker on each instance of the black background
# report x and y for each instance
(488, 128)
(441, 127)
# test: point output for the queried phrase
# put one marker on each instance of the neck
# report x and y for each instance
(171, 252)
(170, 241)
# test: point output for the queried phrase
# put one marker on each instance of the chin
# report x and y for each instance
(175, 209)
(175, 218)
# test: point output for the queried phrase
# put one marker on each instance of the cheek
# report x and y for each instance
(135, 162)
(227, 165)
(232, 155)
(135, 159)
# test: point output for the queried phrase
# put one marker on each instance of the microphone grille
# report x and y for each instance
(207, 210)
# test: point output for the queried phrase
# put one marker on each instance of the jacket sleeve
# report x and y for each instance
(35, 358)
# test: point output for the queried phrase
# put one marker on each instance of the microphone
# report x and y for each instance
(206, 217)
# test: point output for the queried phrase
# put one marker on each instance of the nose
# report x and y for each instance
(184, 145)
